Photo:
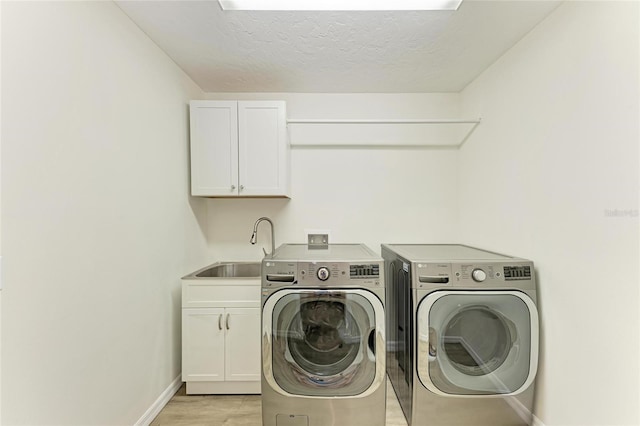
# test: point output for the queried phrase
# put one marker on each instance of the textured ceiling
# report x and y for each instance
(335, 52)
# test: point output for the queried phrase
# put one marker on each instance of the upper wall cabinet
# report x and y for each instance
(239, 149)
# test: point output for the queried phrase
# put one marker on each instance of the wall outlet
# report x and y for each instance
(318, 238)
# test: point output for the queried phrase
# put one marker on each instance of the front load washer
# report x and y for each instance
(323, 336)
(462, 334)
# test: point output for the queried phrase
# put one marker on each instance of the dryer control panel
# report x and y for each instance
(512, 273)
(476, 274)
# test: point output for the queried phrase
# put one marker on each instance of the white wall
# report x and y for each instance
(97, 225)
(1, 275)
(542, 177)
(364, 195)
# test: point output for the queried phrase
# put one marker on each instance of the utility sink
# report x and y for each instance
(228, 270)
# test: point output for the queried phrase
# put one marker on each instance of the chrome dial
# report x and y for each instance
(323, 273)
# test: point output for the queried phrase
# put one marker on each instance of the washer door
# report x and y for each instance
(324, 342)
(477, 343)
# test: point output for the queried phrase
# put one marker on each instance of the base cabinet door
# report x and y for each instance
(221, 347)
(242, 344)
(203, 352)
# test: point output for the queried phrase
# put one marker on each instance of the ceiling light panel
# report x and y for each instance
(337, 5)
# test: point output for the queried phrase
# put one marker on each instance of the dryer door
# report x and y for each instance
(324, 342)
(477, 342)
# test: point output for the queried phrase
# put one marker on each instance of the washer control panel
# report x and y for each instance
(364, 271)
(338, 273)
(281, 274)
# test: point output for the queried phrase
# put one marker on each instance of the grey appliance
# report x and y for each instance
(462, 334)
(323, 336)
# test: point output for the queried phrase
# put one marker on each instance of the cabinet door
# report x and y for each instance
(203, 351)
(263, 148)
(214, 148)
(242, 344)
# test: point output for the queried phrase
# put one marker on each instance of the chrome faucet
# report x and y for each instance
(254, 236)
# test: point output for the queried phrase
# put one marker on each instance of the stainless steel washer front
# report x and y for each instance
(323, 342)
(323, 336)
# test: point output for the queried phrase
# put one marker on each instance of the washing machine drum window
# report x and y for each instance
(476, 343)
(323, 337)
(324, 342)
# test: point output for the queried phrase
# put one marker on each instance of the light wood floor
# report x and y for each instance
(237, 410)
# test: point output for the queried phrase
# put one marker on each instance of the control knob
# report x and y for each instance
(478, 275)
(323, 273)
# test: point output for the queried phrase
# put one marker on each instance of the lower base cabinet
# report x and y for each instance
(221, 350)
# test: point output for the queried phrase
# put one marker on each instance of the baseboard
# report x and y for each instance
(171, 390)
(523, 412)
(159, 404)
(536, 421)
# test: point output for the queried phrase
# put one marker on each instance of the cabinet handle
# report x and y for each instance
(241, 187)
(227, 322)
(233, 187)
(220, 322)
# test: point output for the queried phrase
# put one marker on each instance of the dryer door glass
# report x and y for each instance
(477, 340)
(474, 344)
(324, 342)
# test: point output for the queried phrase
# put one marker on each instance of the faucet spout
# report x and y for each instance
(254, 235)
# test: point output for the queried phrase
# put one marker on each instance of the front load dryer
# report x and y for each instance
(323, 336)
(463, 334)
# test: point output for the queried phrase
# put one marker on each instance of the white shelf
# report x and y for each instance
(432, 133)
(382, 121)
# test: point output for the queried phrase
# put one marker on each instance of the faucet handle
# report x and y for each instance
(265, 252)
